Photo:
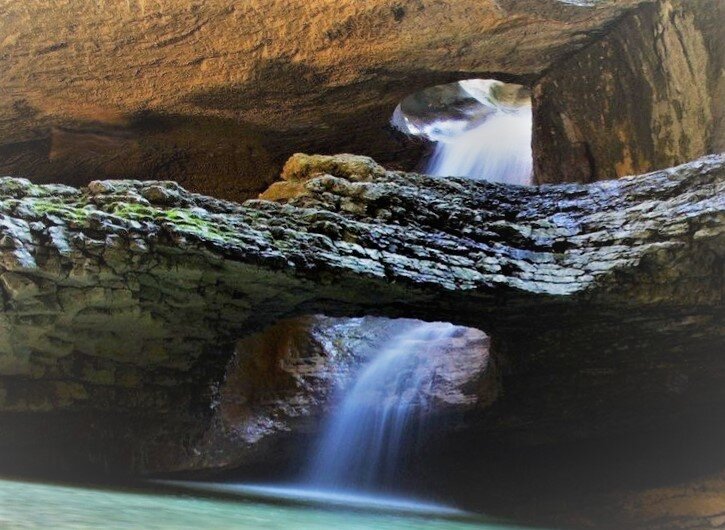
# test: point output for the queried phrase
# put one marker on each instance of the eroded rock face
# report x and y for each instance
(647, 95)
(282, 380)
(216, 95)
(122, 302)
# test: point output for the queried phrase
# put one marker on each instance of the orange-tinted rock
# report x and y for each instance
(648, 95)
(217, 94)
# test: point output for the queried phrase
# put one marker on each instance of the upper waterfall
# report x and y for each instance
(497, 150)
(481, 129)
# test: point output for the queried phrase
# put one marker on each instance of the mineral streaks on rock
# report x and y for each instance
(647, 95)
(128, 296)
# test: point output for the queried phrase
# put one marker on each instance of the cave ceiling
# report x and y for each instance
(217, 94)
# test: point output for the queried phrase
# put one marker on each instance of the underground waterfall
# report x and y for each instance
(479, 128)
(385, 404)
(381, 414)
(362, 265)
(382, 417)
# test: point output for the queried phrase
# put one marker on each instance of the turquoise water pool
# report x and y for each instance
(32, 505)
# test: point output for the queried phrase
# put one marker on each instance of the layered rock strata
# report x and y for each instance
(122, 301)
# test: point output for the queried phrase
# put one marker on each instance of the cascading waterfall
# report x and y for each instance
(381, 416)
(481, 129)
(498, 149)
(384, 412)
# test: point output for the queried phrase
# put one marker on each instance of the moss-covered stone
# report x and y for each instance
(136, 291)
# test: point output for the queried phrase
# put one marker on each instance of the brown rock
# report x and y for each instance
(218, 96)
(647, 95)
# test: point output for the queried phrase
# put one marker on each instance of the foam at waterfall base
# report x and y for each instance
(381, 417)
(302, 495)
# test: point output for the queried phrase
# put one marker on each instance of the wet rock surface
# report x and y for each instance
(122, 302)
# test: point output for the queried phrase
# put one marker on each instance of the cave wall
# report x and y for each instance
(217, 95)
(646, 96)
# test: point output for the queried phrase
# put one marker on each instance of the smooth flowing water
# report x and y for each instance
(382, 415)
(377, 425)
(497, 150)
(31, 506)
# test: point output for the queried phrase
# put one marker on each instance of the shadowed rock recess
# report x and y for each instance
(122, 301)
(217, 95)
(647, 95)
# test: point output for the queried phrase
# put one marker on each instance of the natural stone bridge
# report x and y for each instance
(122, 301)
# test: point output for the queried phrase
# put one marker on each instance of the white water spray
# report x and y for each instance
(498, 149)
(381, 416)
(481, 129)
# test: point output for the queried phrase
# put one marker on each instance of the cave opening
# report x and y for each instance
(371, 396)
(475, 128)
(595, 397)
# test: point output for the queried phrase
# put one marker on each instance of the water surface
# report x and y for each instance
(29, 505)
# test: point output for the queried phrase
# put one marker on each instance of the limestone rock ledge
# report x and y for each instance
(122, 301)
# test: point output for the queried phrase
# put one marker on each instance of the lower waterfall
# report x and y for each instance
(380, 419)
(381, 416)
